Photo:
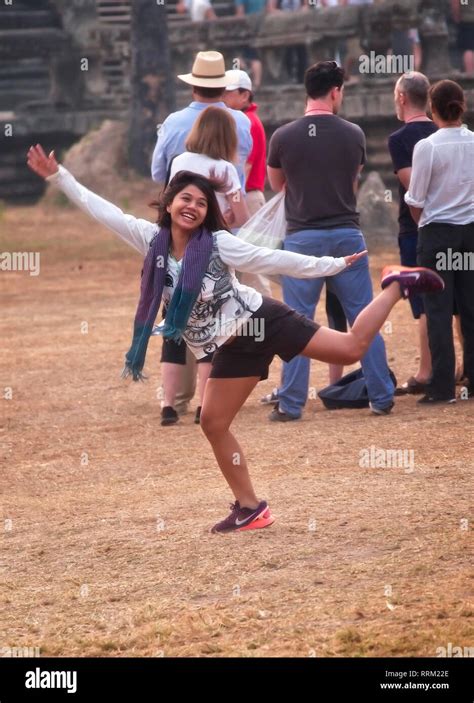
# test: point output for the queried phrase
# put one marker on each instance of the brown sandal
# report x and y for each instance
(411, 387)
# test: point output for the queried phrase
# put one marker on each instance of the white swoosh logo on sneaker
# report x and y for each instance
(241, 522)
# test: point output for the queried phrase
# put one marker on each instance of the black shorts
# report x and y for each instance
(273, 329)
(175, 353)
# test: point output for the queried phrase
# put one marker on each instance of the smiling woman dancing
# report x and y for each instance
(208, 308)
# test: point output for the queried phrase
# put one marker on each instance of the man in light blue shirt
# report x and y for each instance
(208, 81)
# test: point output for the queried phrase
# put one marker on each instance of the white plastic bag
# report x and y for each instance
(267, 228)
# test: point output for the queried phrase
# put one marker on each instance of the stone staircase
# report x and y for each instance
(45, 97)
(114, 18)
(24, 76)
(28, 28)
(117, 12)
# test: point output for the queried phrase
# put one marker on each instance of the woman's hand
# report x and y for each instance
(355, 257)
(41, 164)
(229, 218)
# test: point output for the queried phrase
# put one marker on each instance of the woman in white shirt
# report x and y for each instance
(211, 150)
(213, 312)
(441, 199)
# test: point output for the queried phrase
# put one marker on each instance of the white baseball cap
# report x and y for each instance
(238, 79)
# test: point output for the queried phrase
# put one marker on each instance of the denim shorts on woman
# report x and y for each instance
(273, 329)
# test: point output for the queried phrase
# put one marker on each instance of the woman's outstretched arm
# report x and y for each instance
(243, 256)
(136, 232)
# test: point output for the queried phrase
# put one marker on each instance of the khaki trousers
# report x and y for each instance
(188, 384)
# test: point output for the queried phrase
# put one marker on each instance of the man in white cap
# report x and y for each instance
(208, 80)
(238, 95)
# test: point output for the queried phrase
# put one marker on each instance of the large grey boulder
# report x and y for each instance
(98, 161)
(378, 213)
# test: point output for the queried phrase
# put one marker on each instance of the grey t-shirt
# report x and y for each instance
(320, 156)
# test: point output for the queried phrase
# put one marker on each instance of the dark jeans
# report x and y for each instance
(408, 244)
(353, 289)
(439, 247)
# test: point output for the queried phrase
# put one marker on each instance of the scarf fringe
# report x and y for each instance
(137, 375)
(175, 336)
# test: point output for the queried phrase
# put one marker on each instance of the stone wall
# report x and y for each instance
(66, 68)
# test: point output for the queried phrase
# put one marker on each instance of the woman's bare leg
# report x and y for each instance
(459, 363)
(223, 398)
(171, 378)
(348, 347)
(335, 372)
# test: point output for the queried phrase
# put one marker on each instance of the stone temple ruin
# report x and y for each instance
(66, 66)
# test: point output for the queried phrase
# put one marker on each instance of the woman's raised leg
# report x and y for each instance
(348, 347)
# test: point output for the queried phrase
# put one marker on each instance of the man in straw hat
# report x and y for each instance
(208, 80)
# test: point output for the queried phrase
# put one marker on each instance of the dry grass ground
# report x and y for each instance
(106, 549)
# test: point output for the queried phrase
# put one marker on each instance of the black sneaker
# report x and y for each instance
(433, 400)
(169, 416)
(271, 398)
(197, 417)
(245, 518)
(278, 415)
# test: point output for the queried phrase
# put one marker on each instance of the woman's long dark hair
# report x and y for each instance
(213, 220)
(447, 98)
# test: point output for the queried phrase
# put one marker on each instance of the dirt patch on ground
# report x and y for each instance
(106, 514)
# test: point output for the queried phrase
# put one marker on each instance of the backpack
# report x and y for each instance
(349, 392)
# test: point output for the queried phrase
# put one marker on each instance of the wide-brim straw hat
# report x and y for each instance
(208, 71)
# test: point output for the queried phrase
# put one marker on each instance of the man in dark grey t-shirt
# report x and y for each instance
(317, 159)
(319, 171)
